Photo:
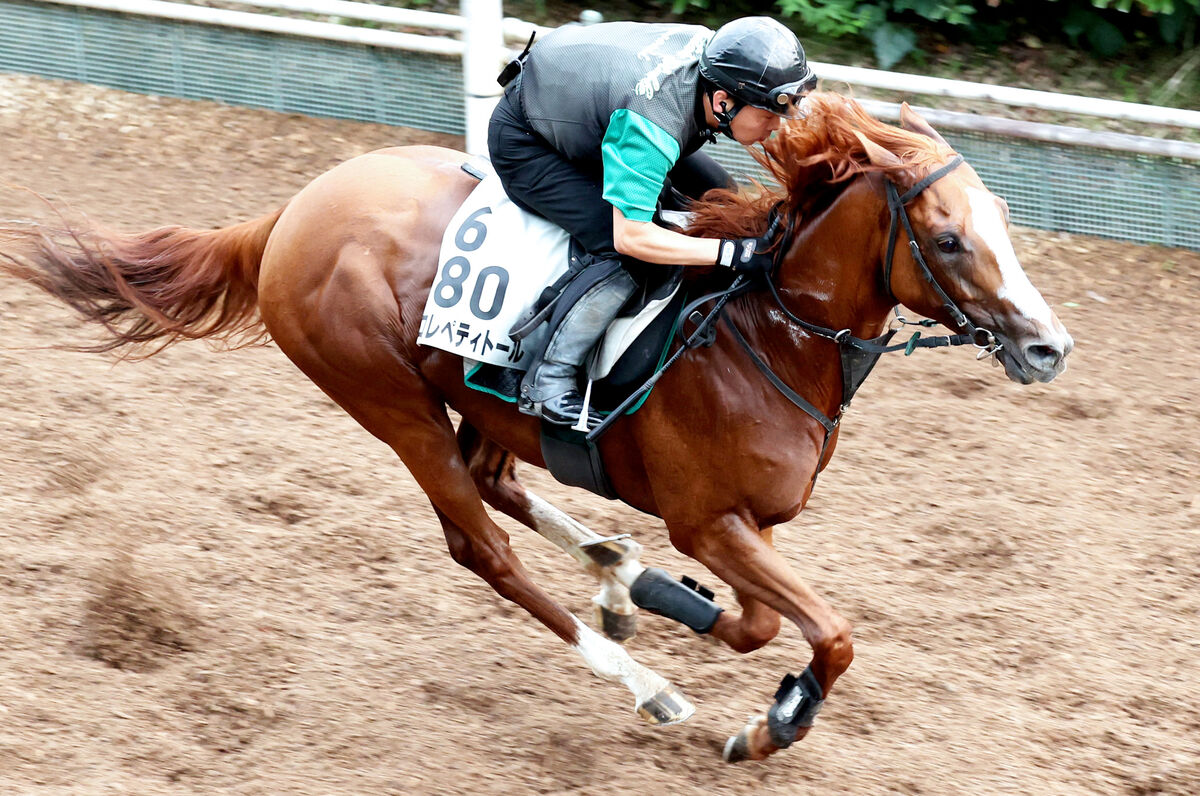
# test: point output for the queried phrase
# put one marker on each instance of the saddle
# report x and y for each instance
(634, 345)
(496, 356)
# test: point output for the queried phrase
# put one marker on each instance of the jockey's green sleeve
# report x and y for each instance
(637, 154)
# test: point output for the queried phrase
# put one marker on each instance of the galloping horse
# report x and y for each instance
(871, 216)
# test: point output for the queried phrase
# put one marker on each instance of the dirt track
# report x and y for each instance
(1022, 565)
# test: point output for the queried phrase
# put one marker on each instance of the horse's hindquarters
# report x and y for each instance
(349, 264)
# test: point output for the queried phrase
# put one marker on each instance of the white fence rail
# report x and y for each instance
(512, 29)
(275, 24)
(1004, 95)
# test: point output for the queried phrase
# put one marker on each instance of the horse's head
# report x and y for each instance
(961, 229)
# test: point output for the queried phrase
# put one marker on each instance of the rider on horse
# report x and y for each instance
(600, 121)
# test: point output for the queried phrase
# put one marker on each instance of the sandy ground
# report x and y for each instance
(213, 581)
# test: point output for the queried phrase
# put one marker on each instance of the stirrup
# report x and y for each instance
(572, 416)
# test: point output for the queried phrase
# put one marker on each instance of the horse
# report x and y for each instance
(871, 216)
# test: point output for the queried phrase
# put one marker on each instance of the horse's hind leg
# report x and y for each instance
(424, 439)
(494, 471)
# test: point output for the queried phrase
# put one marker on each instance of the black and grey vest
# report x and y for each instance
(578, 76)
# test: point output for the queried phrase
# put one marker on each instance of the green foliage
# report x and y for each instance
(834, 18)
(1083, 24)
(879, 21)
(1149, 6)
(682, 6)
(1107, 27)
(936, 10)
(1171, 27)
(892, 43)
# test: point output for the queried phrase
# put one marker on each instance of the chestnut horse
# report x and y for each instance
(338, 278)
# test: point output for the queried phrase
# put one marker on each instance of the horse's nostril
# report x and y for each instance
(1043, 356)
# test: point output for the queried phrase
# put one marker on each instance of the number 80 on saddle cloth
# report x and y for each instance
(494, 263)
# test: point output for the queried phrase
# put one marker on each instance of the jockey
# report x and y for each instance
(599, 121)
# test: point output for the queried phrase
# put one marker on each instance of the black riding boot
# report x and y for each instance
(552, 388)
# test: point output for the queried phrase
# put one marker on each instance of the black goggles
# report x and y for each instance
(785, 99)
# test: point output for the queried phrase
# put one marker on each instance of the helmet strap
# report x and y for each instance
(725, 116)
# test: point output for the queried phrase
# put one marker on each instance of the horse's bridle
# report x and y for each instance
(858, 356)
(981, 338)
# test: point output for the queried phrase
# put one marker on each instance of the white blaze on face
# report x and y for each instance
(989, 225)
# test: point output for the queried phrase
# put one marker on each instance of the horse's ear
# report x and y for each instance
(878, 155)
(913, 122)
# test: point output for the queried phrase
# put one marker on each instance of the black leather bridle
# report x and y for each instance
(897, 209)
(898, 212)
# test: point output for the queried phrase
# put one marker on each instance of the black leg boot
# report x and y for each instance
(554, 384)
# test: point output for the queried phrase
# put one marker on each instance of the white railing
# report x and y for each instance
(1036, 131)
(512, 29)
(482, 46)
(1020, 97)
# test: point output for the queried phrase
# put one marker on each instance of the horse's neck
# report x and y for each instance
(831, 277)
(833, 274)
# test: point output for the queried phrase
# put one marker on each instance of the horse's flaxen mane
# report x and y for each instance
(809, 156)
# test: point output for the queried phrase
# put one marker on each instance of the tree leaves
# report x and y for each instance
(1099, 25)
(892, 42)
(1100, 34)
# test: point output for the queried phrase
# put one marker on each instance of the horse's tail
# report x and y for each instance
(156, 287)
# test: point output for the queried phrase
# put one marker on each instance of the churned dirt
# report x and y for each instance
(213, 581)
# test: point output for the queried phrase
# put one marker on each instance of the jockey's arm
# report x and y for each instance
(646, 241)
(637, 156)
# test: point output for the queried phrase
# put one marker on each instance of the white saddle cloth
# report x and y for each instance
(495, 261)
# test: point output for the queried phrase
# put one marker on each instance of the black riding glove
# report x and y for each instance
(748, 255)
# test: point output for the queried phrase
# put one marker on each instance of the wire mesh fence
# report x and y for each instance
(240, 67)
(1140, 198)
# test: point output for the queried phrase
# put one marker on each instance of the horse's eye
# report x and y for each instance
(948, 244)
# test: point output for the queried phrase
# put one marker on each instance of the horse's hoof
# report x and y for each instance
(668, 706)
(618, 627)
(738, 747)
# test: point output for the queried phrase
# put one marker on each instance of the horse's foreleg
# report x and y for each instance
(757, 624)
(625, 584)
(744, 558)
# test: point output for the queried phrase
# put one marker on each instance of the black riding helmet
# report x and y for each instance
(759, 62)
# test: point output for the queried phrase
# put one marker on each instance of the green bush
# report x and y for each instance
(1100, 25)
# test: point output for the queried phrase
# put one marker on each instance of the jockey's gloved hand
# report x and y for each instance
(747, 255)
